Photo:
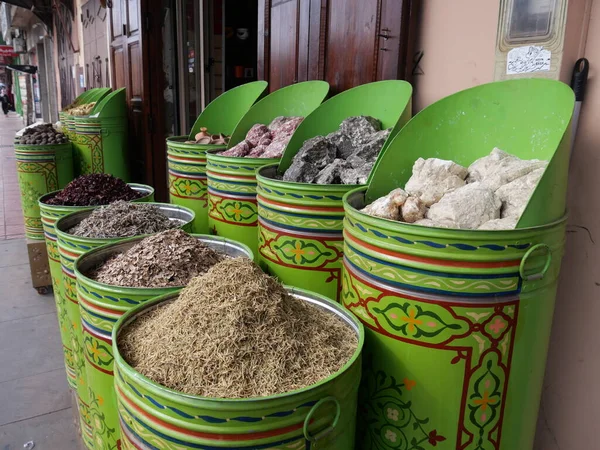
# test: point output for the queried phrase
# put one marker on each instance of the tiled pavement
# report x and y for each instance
(35, 403)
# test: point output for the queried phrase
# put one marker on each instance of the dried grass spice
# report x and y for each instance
(94, 189)
(169, 258)
(124, 219)
(237, 333)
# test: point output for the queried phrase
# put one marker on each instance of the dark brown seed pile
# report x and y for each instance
(43, 134)
(94, 189)
(170, 258)
(237, 333)
(124, 219)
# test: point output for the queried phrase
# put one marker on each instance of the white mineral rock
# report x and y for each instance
(516, 195)
(508, 223)
(432, 178)
(500, 168)
(413, 209)
(468, 207)
(431, 223)
(387, 207)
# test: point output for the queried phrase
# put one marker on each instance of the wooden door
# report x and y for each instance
(344, 42)
(64, 29)
(137, 65)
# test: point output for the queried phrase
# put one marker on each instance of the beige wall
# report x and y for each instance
(458, 39)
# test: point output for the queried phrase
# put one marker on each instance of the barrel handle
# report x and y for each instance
(105, 132)
(327, 430)
(539, 275)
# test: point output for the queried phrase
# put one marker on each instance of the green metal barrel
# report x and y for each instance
(101, 138)
(70, 248)
(457, 329)
(100, 306)
(319, 416)
(232, 211)
(101, 146)
(187, 162)
(299, 224)
(68, 125)
(50, 214)
(41, 169)
(187, 178)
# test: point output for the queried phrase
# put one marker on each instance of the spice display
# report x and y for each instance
(489, 195)
(345, 156)
(43, 134)
(94, 189)
(204, 137)
(169, 258)
(81, 110)
(124, 219)
(237, 333)
(266, 141)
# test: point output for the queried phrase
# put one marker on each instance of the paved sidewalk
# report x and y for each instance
(35, 402)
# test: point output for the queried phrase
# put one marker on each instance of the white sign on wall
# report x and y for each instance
(528, 59)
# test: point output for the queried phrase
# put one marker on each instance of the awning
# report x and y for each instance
(42, 8)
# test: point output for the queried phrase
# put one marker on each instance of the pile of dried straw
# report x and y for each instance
(236, 333)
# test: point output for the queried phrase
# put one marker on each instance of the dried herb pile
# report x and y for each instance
(236, 333)
(124, 219)
(94, 189)
(169, 258)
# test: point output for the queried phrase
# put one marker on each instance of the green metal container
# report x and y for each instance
(232, 210)
(300, 225)
(321, 416)
(70, 248)
(100, 306)
(457, 329)
(41, 169)
(187, 162)
(101, 138)
(50, 214)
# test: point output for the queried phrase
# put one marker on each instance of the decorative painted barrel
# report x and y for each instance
(50, 214)
(187, 178)
(233, 209)
(319, 416)
(457, 329)
(233, 212)
(41, 169)
(68, 124)
(100, 306)
(70, 248)
(300, 226)
(100, 145)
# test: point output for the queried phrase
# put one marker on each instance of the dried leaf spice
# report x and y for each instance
(169, 258)
(235, 332)
(124, 219)
(94, 189)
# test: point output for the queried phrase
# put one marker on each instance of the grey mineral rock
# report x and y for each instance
(359, 126)
(331, 173)
(301, 171)
(387, 207)
(516, 194)
(468, 207)
(359, 175)
(315, 154)
(508, 223)
(413, 209)
(500, 168)
(432, 178)
(343, 143)
(370, 147)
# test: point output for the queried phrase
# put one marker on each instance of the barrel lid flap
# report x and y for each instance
(113, 105)
(298, 99)
(389, 101)
(223, 113)
(529, 118)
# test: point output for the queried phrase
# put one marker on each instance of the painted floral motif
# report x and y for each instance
(105, 437)
(388, 416)
(239, 211)
(97, 352)
(92, 157)
(188, 188)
